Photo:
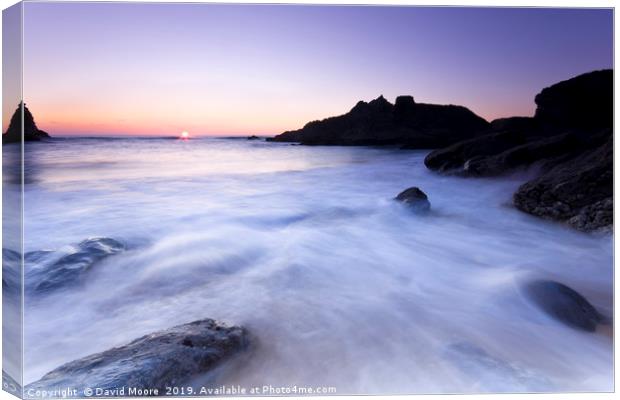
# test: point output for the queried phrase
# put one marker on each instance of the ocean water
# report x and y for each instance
(339, 285)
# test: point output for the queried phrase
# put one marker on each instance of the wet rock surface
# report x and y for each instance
(564, 304)
(415, 199)
(167, 358)
(47, 271)
(578, 191)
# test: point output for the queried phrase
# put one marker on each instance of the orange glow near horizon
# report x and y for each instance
(159, 69)
(153, 120)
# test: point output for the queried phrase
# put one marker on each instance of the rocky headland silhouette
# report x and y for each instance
(380, 122)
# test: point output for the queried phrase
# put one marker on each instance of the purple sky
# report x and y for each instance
(123, 68)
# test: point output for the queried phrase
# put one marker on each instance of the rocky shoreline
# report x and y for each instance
(569, 139)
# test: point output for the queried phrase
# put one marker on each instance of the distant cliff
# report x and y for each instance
(380, 122)
(31, 133)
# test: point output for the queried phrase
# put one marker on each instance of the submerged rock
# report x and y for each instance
(493, 374)
(564, 304)
(47, 270)
(167, 358)
(379, 122)
(415, 199)
(13, 133)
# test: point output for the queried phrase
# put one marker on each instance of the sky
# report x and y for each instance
(160, 69)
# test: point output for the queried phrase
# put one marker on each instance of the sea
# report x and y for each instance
(339, 285)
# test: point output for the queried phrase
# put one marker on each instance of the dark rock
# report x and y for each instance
(253, 137)
(546, 149)
(598, 216)
(569, 118)
(167, 358)
(564, 304)
(570, 138)
(379, 122)
(14, 132)
(516, 142)
(585, 102)
(404, 107)
(455, 157)
(415, 199)
(48, 270)
(526, 125)
(578, 191)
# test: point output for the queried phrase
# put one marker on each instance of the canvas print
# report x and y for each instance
(291, 200)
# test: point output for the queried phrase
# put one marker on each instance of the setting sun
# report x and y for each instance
(185, 135)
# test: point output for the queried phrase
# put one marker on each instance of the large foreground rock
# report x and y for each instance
(380, 122)
(167, 358)
(14, 132)
(564, 304)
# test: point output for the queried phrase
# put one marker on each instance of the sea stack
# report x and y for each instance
(31, 133)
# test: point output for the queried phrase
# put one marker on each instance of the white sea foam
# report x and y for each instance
(339, 285)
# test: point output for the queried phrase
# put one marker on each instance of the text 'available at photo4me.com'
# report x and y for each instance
(174, 391)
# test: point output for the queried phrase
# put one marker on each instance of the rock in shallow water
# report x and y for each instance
(564, 304)
(167, 358)
(491, 373)
(46, 272)
(415, 199)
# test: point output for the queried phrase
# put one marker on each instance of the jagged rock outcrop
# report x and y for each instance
(167, 358)
(380, 122)
(14, 132)
(570, 137)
